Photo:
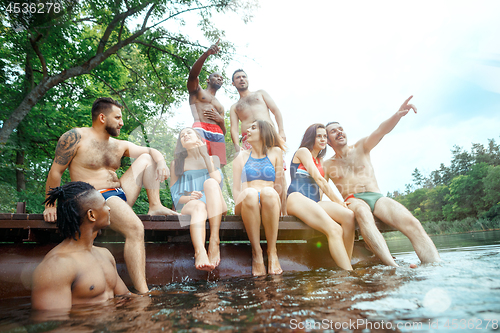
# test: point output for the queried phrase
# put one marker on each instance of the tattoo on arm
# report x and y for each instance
(66, 146)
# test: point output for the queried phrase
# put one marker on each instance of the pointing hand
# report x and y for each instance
(214, 49)
(405, 107)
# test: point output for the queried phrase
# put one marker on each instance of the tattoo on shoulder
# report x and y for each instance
(66, 146)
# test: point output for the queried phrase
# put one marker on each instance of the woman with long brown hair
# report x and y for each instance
(304, 197)
(196, 191)
(257, 176)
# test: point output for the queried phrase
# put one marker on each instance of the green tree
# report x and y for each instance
(413, 201)
(461, 162)
(52, 67)
(445, 174)
(85, 36)
(434, 202)
(418, 178)
(492, 186)
(493, 152)
(467, 190)
(467, 194)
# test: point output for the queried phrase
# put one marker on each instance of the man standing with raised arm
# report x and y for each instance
(252, 106)
(352, 172)
(208, 112)
(93, 156)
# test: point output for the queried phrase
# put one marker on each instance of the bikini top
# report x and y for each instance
(258, 168)
(302, 170)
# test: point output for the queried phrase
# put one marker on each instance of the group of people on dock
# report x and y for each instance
(75, 271)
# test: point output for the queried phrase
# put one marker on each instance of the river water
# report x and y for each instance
(460, 294)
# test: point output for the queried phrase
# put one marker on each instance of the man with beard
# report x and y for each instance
(93, 156)
(208, 112)
(352, 172)
(252, 106)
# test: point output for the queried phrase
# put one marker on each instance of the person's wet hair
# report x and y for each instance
(103, 105)
(70, 210)
(309, 138)
(237, 71)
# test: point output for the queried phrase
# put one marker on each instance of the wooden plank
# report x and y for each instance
(166, 223)
(25, 224)
(5, 216)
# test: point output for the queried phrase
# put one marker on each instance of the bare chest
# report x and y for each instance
(95, 154)
(205, 101)
(348, 168)
(96, 278)
(252, 107)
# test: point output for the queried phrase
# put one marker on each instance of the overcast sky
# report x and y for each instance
(357, 61)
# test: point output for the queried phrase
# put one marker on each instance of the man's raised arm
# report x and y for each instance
(277, 113)
(387, 126)
(193, 83)
(65, 151)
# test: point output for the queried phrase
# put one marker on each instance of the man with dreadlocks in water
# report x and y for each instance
(76, 271)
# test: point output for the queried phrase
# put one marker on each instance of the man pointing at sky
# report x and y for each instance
(352, 172)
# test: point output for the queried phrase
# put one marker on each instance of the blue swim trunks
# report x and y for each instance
(113, 192)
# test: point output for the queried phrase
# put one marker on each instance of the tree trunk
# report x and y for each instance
(48, 83)
(20, 179)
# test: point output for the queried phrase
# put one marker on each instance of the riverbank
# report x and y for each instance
(466, 225)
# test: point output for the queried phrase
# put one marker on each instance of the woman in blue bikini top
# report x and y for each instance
(257, 176)
(195, 187)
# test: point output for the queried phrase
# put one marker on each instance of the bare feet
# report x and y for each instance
(161, 210)
(214, 252)
(258, 267)
(202, 263)
(274, 264)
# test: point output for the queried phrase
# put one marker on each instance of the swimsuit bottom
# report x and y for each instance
(214, 138)
(244, 143)
(369, 197)
(113, 192)
(305, 185)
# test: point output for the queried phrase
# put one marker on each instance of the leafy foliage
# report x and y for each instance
(53, 66)
(468, 189)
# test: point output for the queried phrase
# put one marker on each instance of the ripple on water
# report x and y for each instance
(465, 285)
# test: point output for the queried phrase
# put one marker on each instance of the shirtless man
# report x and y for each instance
(93, 156)
(352, 172)
(76, 271)
(252, 106)
(207, 111)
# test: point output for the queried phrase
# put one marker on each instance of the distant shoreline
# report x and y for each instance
(399, 235)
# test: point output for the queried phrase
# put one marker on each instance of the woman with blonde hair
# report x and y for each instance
(257, 176)
(307, 185)
(196, 191)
